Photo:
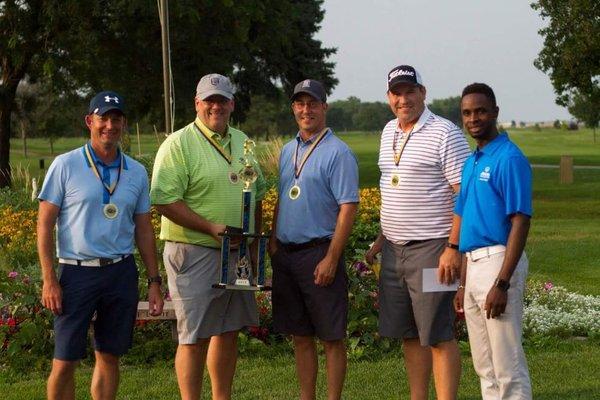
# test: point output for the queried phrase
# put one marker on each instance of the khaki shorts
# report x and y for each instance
(201, 310)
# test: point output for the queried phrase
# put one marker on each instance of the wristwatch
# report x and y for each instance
(452, 246)
(502, 284)
(154, 279)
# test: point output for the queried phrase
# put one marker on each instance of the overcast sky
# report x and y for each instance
(451, 43)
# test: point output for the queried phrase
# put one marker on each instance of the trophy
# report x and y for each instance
(247, 277)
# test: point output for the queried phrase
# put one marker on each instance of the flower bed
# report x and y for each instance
(26, 328)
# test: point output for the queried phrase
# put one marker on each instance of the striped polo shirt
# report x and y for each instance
(420, 205)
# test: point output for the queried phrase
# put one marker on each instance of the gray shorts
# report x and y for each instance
(404, 310)
(201, 310)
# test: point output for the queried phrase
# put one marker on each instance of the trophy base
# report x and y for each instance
(252, 288)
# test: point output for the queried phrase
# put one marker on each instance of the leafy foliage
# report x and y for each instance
(81, 47)
(571, 53)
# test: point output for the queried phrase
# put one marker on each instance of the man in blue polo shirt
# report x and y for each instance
(98, 199)
(494, 209)
(318, 198)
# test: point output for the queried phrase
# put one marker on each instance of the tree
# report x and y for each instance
(82, 47)
(372, 116)
(586, 109)
(448, 108)
(571, 52)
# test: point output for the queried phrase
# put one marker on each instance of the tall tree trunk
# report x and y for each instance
(6, 105)
(24, 136)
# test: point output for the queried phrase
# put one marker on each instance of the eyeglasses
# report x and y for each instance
(299, 105)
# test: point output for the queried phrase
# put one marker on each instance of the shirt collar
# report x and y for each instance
(310, 139)
(420, 122)
(492, 146)
(114, 164)
(214, 135)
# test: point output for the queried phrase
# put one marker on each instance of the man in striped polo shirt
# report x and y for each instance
(420, 158)
(195, 187)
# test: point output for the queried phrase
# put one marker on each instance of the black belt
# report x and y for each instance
(411, 242)
(293, 247)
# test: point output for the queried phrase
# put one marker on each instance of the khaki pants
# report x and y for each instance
(498, 355)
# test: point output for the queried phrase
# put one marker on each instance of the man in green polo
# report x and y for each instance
(195, 187)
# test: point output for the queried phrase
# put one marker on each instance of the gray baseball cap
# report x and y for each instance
(212, 84)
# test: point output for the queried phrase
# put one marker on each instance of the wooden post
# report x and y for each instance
(566, 170)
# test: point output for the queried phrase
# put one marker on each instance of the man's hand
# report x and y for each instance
(52, 296)
(155, 300)
(374, 250)
(325, 271)
(449, 266)
(495, 302)
(459, 300)
(216, 229)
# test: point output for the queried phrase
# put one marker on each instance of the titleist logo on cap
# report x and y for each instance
(399, 72)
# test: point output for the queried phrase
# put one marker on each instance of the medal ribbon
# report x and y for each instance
(108, 189)
(214, 143)
(404, 142)
(298, 169)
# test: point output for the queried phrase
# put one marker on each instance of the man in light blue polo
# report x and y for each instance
(318, 198)
(98, 199)
(493, 210)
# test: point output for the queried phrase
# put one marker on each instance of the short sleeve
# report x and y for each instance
(460, 201)
(53, 188)
(516, 185)
(453, 152)
(343, 179)
(143, 203)
(169, 175)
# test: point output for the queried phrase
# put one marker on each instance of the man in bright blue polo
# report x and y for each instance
(494, 209)
(318, 198)
(98, 199)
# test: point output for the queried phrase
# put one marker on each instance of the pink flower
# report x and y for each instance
(13, 274)
(548, 286)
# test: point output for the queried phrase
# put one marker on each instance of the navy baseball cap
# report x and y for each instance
(403, 74)
(312, 88)
(106, 101)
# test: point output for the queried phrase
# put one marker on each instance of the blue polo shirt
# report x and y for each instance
(329, 178)
(496, 183)
(83, 232)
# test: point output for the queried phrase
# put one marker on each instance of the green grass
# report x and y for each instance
(557, 372)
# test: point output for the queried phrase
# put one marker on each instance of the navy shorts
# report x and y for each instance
(299, 306)
(111, 292)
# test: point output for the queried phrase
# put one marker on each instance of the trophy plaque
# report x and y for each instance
(247, 276)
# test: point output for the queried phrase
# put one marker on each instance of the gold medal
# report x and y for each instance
(110, 210)
(233, 178)
(294, 192)
(395, 181)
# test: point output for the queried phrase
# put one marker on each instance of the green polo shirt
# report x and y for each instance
(189, 168)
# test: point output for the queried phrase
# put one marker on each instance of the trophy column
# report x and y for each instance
(246, 277)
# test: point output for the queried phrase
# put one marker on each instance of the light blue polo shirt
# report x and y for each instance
(329, 178)
(496, 183)
(83, 232)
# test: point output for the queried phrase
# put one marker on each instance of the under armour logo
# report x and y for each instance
(107, 99)
(306, 83)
